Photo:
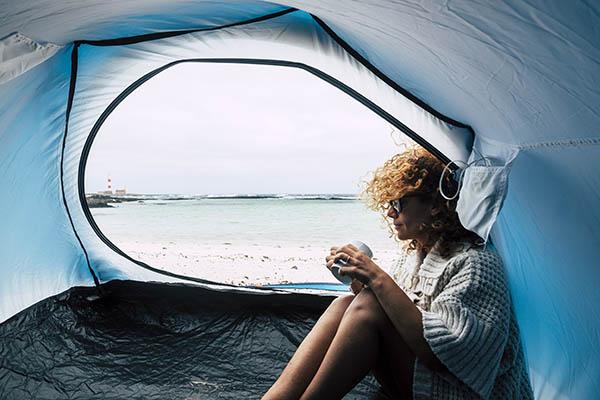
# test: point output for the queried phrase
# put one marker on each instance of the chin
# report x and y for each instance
(403, 236)
(400, 236)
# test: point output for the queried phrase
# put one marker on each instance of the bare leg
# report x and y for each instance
(304, 364)
(365, 339)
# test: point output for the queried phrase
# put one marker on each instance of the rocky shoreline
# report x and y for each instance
(104, 201)
(100, 200)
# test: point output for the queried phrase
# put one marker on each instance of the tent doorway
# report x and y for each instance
(236, 173)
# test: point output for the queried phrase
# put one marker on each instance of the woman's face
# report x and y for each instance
(416, 210)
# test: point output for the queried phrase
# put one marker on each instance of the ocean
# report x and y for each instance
(297, 220)
(173, 232)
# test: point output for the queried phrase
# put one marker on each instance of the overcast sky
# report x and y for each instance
(224, 129)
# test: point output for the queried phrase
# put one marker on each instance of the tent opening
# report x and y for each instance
(239, 174)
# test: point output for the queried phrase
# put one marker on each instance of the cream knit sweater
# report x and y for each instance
(469, 323)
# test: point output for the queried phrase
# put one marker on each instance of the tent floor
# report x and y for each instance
(156, 341)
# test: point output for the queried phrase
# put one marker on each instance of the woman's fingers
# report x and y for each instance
(348, 249)
(352, 247)
(331, 259)
(357, 264)
(353, 252)
(362, 270)
(348, 254)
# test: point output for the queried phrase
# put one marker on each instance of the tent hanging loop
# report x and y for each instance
(458, 174)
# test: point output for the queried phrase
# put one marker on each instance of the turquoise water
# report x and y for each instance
(269, 221)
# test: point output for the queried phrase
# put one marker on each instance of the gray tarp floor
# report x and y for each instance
(156, 341)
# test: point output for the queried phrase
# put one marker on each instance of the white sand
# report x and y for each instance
(243, 264)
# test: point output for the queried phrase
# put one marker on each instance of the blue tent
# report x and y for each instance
(514, 82)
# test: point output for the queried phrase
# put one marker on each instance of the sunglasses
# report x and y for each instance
(396, 204)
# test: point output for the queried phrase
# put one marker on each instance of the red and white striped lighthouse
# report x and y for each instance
(109, 188)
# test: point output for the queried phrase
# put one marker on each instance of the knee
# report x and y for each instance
(341, 304)
(338, 307)
(366, 308)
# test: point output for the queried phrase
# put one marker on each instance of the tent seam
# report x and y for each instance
(72, 84)
(562, 143)
(579, 142)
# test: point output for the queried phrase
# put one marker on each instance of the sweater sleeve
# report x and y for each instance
(467, 325)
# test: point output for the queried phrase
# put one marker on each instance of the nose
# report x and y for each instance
(392, 213)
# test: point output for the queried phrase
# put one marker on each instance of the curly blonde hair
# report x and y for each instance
(416, 171)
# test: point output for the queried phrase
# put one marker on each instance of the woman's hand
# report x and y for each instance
(356, 286)
(358, 265)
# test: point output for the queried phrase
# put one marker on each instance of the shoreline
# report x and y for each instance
(101, 200)
(243, 264)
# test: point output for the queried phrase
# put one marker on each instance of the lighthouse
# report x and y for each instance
(108, 187)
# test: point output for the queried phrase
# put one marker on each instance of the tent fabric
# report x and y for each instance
(156, 341)
(18, 54)
(523, 74)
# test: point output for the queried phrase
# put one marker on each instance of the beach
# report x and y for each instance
(254, 264)
(244, 241)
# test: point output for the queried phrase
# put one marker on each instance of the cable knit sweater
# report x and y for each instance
(469, 324)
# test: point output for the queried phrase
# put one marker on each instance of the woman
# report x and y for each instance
(440, 326)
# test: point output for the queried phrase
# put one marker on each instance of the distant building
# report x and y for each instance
(105, 192)
(120, 192)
